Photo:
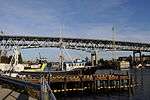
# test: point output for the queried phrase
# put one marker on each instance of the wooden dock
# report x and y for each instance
(63, 84)
(92, 83)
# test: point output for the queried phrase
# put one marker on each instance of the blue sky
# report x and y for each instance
(79, 18)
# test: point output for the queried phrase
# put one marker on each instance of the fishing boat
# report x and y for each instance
(69, 67)
(77, 66)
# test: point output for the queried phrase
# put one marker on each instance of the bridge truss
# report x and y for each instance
(23, 42)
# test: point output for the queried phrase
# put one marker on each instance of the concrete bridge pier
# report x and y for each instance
(94, 58)
(135, 61)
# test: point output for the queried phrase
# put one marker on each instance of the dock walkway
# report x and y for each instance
(8, 94)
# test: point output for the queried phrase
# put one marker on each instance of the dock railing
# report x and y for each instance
(46, 92)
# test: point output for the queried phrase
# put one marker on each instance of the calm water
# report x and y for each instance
(141, 92)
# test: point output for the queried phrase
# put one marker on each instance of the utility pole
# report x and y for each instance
(61, 51)
(114, 43)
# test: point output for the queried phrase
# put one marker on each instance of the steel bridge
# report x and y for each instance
(10, 41)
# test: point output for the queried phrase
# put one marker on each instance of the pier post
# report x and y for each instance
(82, 83)
(126, 81)
(49, 78)
(96, 86)
(93, 84)
(100, 84)
(65, 84)
(119, 83)
(108, 84)
(129, 86)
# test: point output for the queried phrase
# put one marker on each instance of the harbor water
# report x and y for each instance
(140, 92)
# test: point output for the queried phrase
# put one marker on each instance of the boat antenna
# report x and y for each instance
(40, 56)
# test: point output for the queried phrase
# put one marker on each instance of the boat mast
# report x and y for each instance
(61, 55)
(15, 57)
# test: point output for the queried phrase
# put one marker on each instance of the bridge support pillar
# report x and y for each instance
(134, 57)
(94, 58)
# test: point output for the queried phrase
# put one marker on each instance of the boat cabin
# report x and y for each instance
(74, 65)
